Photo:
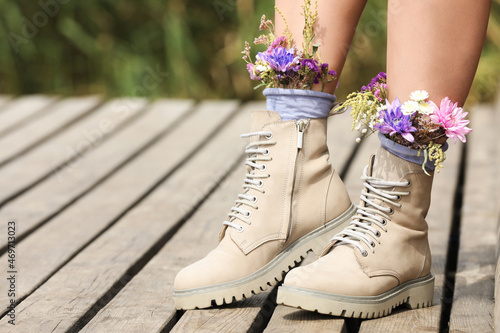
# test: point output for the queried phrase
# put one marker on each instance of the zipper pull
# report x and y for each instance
(301, 127)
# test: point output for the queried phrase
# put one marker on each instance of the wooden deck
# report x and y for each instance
(111, 199)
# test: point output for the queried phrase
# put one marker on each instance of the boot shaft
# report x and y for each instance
(296, 182)
(404, 249)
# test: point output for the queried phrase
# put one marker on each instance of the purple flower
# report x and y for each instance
(377, 80)
(394, 121)
(280, 59)
(311, 64)
(315, 67)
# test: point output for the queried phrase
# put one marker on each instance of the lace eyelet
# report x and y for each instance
(398, 197)
(372, 244)
(266, 152)
(248, 214)
(270, 136)
(384, 222)
(260, 184)
(409, 183)
(240, 229)
(365, 254)
(264, 167)
(378, 234)
(254, 199)
(391, 211)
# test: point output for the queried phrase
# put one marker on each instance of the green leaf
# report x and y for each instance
(315, 48)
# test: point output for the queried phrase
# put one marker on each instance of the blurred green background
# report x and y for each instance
(173, 48)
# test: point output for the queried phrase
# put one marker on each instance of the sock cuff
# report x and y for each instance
(294, 104)
(406, 153)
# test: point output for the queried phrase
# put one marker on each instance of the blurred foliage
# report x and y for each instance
(174, 48)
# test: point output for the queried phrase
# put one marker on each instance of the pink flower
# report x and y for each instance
(252, 71)
(280, 41)
(451, 119)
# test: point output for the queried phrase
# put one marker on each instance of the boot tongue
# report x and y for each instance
(389, 167)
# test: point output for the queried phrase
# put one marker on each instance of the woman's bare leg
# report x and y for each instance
(434, 45)
(337, 21)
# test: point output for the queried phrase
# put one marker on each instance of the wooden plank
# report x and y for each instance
(287, 319)
(439, 220)
(4, 99)
(156, 278)
(74, 180)
(69, 145)
(69, 293)
(240, 317)
(59, 115)
(22, 110)
(473, 304)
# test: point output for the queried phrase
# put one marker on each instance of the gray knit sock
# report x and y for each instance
(293, 104)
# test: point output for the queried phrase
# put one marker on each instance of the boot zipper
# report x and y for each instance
(301, 127)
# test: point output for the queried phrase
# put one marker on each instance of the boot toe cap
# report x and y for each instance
(339, 273)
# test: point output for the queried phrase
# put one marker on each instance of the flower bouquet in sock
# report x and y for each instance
(418, 123)
(283, 64)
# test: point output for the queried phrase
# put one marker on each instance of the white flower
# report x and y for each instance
(358, 140)
(409, 107)
(424, 108)
(262, 68)
(419, 95)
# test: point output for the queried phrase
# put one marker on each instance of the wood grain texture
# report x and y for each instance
(473, 305)
(152, 286)
(65, 276)
(287, 319)
(71, 292)
(34, 207)
(439, 220)
(239, 317)
(22, 110)
(70, 144)
(52, 120)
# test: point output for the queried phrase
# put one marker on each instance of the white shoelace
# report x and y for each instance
(361, 229)
(255, 159)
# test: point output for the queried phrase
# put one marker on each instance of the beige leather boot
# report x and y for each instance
(292, 201)
(382, 259)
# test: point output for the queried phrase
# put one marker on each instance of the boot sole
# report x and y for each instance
(267, 276)
(416, 294)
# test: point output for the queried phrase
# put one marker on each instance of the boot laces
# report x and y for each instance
(369, 214)
(254, 161)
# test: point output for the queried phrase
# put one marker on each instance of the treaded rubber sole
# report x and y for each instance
(267, 276)
(416, 294)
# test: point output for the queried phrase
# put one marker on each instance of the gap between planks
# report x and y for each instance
(68, 147)
(18, 112)
(54, 119)
(76, 180)
(208, 122)
(473, 306)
